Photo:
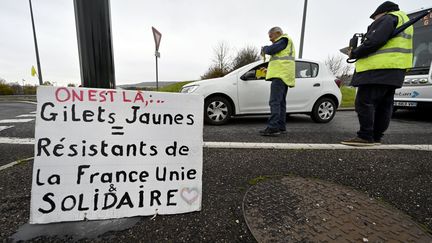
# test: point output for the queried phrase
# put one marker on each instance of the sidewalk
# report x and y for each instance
(295, 209)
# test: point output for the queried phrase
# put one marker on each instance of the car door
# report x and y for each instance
(307, 88)
(253, 93)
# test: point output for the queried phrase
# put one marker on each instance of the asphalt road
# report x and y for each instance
(8, 111)
(402, 179)
(406, 127)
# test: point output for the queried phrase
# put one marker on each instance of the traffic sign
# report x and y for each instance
(157, 37)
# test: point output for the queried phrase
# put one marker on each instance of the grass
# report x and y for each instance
(176, 87)
(258, 179)
(348, 96)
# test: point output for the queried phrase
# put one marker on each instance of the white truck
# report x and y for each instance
(416, 92)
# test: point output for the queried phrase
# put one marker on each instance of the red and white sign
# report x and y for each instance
(157, 37)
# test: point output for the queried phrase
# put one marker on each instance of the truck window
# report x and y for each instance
(422, 43)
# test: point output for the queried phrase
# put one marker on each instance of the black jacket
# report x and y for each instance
(378, 34)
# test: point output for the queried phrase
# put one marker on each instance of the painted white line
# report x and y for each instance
(5, 127)
(27, 115)
(17, 140)
(33, 112)
(3, 167)
(15, 120)
(282, 146)
(313, 146)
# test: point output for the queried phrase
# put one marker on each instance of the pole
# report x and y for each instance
(157, 76)
(303, 29)
(93, 24)
(36, 46)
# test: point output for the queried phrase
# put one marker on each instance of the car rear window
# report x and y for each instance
(306, 69)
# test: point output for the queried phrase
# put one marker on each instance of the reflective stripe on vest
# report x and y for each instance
(404, 35)
(395, 54)
(273, 58)
(401, 50)
(282, 64)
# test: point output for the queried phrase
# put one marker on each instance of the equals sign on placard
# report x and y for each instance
(117, 130)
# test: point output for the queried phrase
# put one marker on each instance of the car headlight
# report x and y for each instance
(189, 89)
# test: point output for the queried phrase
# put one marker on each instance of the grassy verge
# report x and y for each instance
(174, 87)
(348, 96)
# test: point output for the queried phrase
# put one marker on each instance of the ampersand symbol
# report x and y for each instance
(112, 188)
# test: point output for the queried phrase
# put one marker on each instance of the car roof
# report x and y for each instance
(250, 65)
(297, 59)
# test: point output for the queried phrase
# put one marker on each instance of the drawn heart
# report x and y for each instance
(190, 195)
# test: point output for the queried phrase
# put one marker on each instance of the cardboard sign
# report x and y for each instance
(103, 154)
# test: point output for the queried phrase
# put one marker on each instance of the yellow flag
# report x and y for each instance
(33, 71)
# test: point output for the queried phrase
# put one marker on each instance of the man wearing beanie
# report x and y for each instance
(380, 69)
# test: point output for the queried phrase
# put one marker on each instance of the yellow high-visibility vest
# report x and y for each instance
(282, 64)
(395, 54)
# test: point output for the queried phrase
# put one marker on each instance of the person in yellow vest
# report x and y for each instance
(281, 73)
(380, 69)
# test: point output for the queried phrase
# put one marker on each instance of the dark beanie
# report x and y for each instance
(387, 6)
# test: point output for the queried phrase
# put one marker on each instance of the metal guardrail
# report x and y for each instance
(18, 98)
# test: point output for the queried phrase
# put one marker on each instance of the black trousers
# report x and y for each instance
(374, 107)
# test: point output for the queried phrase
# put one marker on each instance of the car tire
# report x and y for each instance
(217, 110)
(324, 110)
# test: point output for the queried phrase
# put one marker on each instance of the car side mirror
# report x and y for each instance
(250, 75)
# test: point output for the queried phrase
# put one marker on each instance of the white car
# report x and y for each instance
(239, 93)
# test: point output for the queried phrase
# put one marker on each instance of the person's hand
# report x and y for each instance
(263, 69)
(262, 51)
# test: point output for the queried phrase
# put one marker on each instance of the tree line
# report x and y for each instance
(223, 63)
(22, 89)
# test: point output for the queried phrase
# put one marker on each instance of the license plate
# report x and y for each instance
(405, 104)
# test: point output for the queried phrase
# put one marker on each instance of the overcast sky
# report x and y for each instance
(190, 30)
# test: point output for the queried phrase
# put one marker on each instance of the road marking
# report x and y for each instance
(282, 146)
(33, 112)
(313, 146)
(5, 127)
(27, 115)
(235, 145)
(3, 167)
(15, 120)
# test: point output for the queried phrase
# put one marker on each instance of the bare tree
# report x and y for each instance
(245, 56)
(213, 72)
(221, 62)
(221, 56)
(339, 67)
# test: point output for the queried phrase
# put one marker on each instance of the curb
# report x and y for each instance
(346, 109)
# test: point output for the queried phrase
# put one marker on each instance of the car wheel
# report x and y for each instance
(217, 110)
(324, 110)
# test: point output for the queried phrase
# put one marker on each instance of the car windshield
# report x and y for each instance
(422, 44)
(234, 72)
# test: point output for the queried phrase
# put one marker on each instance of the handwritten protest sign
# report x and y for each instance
(103, 154)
